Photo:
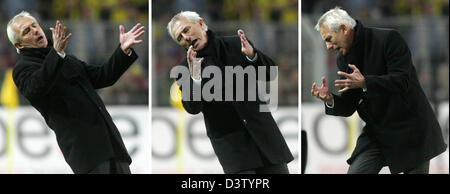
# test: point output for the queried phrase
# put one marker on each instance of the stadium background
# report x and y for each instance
(179, 141)
(423, 23)
(26, 143)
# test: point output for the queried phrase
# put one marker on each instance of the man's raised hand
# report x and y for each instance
(246, 47)
(129, 38)
(354, 80)
(322, 93)
(194, 66)
(59, 37)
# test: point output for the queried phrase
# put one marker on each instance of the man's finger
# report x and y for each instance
(193, 54)
(140, 29)
(57, 25)
(314, 89)
(353, 67)
(324, 82)
(137, 41)
(341, 73)
(242, 35)
(64, 31)
(315, 93)
(121, 29)
(240, 32)
(59, 29)
(343, 89)
(242, 41)
(342, 85)
(341, 81)
(67, 37)
(135, 27)
(189, 51)
(139, 34)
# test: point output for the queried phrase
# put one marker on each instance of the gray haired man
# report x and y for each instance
(379, 81)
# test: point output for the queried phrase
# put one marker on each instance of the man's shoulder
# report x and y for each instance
(24, 60)
(382, 33)
(228, 43)
(231, 38)
(226, 39)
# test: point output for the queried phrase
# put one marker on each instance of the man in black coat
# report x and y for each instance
(245, 139)
(62, 88)
(380, 82)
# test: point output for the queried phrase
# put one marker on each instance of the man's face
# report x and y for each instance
(340, 41)
(29, 33)
(187, 33)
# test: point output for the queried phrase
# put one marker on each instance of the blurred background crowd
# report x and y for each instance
(272, 26)
(95, 28)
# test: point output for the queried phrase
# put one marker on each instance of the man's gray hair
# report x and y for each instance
(189, 15)
(12, 36)
(334, 18)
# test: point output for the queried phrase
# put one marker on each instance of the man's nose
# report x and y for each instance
(187, 38)
(35, 30)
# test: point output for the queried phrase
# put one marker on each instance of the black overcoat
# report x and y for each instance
(63, 91)
(396, 111)
(241, 135)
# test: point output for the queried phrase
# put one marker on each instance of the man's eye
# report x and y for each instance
(26, 31)
(186, 30)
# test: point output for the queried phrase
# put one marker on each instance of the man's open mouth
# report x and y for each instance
(40, 38)
(193, 42)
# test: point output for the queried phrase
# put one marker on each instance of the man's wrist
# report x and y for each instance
(126, 51)
(331, 103)
(129, 52)
(253, 59)
(197, 78)
(62, 54)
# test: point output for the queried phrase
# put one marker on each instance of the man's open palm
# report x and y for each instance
(129, 38)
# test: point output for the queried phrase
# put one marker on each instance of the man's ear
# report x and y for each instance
(18, 45)
(344, 28)
(200, 21)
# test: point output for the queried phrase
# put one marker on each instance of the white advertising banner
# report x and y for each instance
(180, 144)
(35, 150)
(331, 140)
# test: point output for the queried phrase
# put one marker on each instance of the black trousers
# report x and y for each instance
(371, 161)
(112, 166)
(269, 169)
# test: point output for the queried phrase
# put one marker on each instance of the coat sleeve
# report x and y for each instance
(36, 80)
(108, 73)
(398, 65)
(190, 105)
(344, 105)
